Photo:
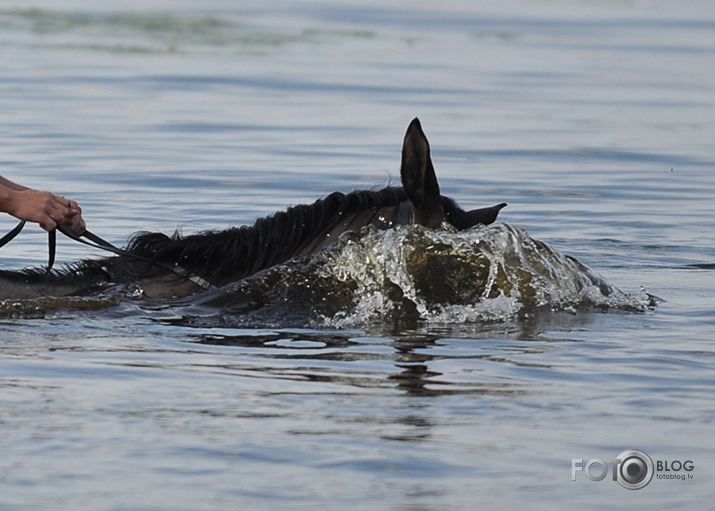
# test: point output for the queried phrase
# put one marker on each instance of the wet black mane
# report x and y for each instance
(220, 255)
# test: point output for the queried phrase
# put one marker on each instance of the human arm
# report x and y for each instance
(44, 208)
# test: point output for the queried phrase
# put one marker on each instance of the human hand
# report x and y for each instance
(73, 220)
(46, 209)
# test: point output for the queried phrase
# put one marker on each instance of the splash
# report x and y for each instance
(407, 274)
(411, 273)
(487, 273)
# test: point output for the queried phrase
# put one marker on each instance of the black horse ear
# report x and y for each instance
(483, 216)
(419, 179)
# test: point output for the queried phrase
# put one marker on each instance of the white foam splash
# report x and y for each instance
(487, 273)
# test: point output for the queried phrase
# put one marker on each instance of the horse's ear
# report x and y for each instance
(419, 179)
(483, 216)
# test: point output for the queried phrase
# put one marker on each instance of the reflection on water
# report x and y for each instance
(316, 357)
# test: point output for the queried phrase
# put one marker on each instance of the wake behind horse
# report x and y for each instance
(165, 266)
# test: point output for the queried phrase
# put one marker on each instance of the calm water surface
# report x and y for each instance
(593, 120)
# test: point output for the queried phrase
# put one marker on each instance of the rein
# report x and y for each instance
(90, 239)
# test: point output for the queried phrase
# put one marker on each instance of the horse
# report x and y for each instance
(178, 266)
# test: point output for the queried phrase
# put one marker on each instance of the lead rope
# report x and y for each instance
(51, 242)
(11, 235)
(95, 241)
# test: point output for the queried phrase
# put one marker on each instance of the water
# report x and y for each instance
(593, 120)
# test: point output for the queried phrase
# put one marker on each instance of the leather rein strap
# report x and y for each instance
(92, 240)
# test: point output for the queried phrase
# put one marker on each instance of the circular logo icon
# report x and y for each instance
(635, 470)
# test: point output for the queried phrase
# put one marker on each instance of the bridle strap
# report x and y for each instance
(51, 248)
(90, 239)
(11, 235)
(51, 242)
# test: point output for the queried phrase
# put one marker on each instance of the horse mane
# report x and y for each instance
(237, 252)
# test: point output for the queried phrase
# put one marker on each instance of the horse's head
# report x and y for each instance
(429, 207)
